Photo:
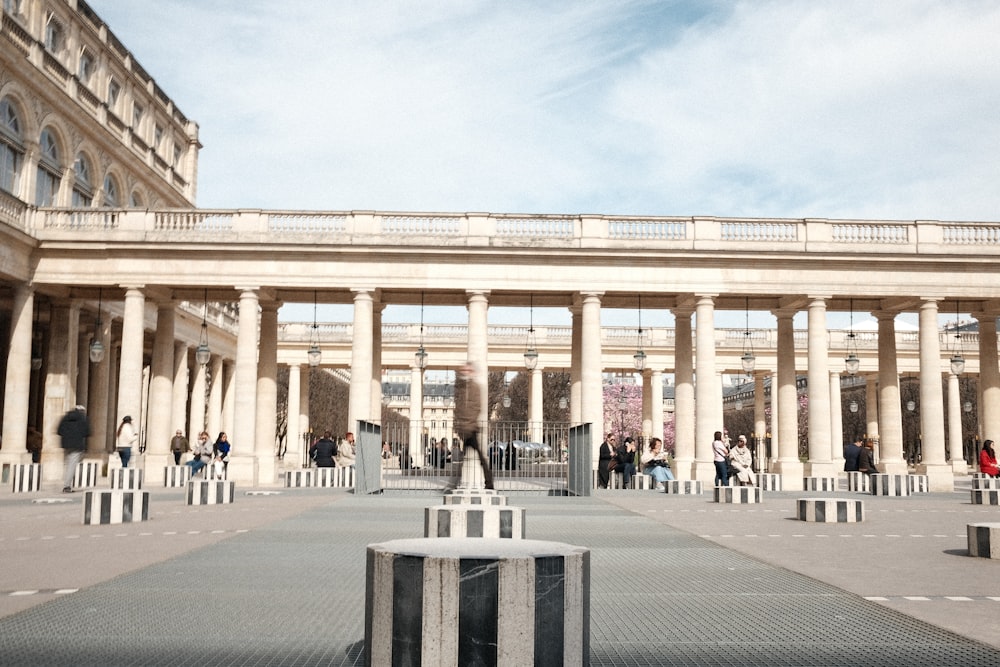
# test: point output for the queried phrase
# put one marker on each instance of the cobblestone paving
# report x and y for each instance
(291, 592)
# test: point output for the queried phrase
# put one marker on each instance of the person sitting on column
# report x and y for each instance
(324, 450)
(468, 403)
(656, 464)
(346, 451)
(866, 458)
(626, 461)
(126, 437)
(742, 461)
(202, 453)
(606, 461)
(988, 460)
(851, 452)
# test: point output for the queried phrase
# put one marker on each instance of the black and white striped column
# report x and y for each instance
(683, 487)
(769, 481)
(125, 478)
(889, 485)
(984, 540)
(297, 478)
(985, 497)
(27, 477)
(87, 474)
(341, 477)
(210, 492)
(985, 483)
(917, 484)
(503, 522)
(103, 507)
(738, 495)
(474, 497)
(858, 482)
(831, 510)
(464, 602)
(174, 476)
(819, 483)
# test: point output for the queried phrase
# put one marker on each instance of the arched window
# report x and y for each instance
(11, 147)
(110, 192)
(135, 199)
(47, 178)
(83, 189)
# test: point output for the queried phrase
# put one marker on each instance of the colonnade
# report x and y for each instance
(242, 396)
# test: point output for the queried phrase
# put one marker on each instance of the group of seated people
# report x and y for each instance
(615, 459)
(328, 453)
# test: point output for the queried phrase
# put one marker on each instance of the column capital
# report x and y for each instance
(885, 314)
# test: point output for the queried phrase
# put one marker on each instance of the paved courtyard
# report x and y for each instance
(279, 580)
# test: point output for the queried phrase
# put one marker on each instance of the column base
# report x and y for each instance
(703, 471)
(792, 472)
(959, 467)
(820, 469)
(684, 468)
(243, 470)
(940, 478)
(894, 467)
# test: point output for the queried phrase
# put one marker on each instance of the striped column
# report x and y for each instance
(500, 522)
(984, 540)
(210, 492)
(917, 484)
(477, 602)
(174, 476)
(737, 495)
(769, 481)
(683, 487)
(819, 483)
(474, 497)
(125, 478)
(889, 485)
(985, 497)
(87, 473)
(296, 478)
(831, 510)
(27, 477)
(858, 481)
(338, 477)
(105, 507)
(985, 483)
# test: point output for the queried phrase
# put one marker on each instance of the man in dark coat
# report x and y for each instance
(74, 429)
(851, 453)
(324, 450)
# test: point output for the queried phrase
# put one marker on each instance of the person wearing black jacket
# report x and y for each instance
(74, 429)
(324, 450)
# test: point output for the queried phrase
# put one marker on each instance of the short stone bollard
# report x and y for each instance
(819, 483)
(498, 522)
(985, 483)
(105, 507)
(769, 481)
(27, 477)
(176, 476)
(858, 482)
(125, 478)
(642, 482)
(738, 495)
(338, 477)
(683, 487)
(917, 484)
(984, 540)
(474, 497)
(830, 510)
(297, 478)
(986, 497)
(889, 485)
(477, 602)
(210, 492)
(87, 474)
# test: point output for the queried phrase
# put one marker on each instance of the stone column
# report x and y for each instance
(417, 415)
(836, 423)
(267, 393)
(216, 391)
(243, 432)
(591, 390)
(83, 367)
(293, 436)
(197, 424)
(112, 357)
(708, 407)
(788, 463)
(303, 414)
(159, 422)
(228, 398)
(656, 403)
(100, 390)
(989, 375)
(871, 405)
(939, 476)
(60, 396)
(478, 306)
(18, 378)
(760, 415)
(535, 414)
(359, 406)
(775, 419)
(376, 380)
(819, 464)
(956, 456)
(178, 410)
(576, 312)
(131, 364)
(890, 416)
(647, 404)
(683, 395)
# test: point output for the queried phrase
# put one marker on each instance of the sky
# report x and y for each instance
(808, 108)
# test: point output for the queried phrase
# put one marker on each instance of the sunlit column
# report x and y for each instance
(836, 423)
(198, 387)
(303, 415)
(647, 409)
(216, 392)
(130, 384)
(591, 390)
(178, 411)
(161, 388)
(228, 399)
(83, 367)
(417, 415)
(293, 435)
(989, 375)
(786, 406)
(940, 477)
(18, 377)
(478, 306)
(955, 454)
(576, 353)
(683, 395)
(359, 402)
(655, 403)
(267, 392)
(890, 416)
(114, 352)
(708, 405)
(59, 383)
(101, 376)
(871, 406)
(535, 398)
(243, 430)
(819, 464)
(376, 381)
(760, 417)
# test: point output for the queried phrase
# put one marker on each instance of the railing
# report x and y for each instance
(401, 229)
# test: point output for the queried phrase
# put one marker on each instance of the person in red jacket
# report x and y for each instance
(988, 460)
